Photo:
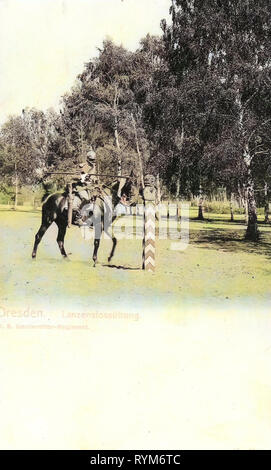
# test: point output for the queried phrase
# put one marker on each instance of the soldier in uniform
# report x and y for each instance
(85, 186)
(86, 181)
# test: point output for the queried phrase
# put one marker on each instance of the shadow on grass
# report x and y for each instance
(231, 241)
(126, 268)
(227, 221)
(217, 220)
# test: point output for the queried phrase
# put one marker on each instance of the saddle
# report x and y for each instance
(83, 200)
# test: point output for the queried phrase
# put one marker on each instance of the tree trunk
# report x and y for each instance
(231, 207)
(246, 207)
(200, 212)
(82, 155)
(158, 189)
(178, 188)
(70, 197)
(158, 198)
(240, 197)
(97, 170)
(179, 142)
(118, 148)
(16, 187)
(266, 204)
(252, 225)
(245, 203)
(140, 159)
(188, 187)
(116, 134)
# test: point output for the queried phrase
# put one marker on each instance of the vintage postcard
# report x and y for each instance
(135, 174)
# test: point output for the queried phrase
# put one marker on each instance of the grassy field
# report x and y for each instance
(217, 266)
(185, 365)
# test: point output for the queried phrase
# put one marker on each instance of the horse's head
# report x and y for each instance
(126, 190)
(130, 192)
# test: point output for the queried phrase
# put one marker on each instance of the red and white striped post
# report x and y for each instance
(149, 196)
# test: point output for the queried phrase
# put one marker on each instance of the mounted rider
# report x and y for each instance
(85, 187)
(87, 178)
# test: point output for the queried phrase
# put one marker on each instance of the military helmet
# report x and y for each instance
(91, 155)
(149, 180)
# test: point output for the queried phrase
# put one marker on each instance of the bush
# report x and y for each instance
(221, 207)
(27, 195)
(7, 194)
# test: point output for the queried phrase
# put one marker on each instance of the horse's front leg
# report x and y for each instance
(97, 237)
(95, 251)
(46, 222)
(62, 226)
(113, 238)
(114, 244)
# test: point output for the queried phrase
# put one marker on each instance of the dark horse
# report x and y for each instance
(55, 210)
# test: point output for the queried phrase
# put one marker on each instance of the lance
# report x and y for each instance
(79, 174)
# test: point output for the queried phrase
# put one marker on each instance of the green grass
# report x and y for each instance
(218, 266)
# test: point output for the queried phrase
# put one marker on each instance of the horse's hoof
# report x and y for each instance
(33, 256)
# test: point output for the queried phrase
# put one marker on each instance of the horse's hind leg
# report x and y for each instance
(44, 226)
(114, 241)
(95, 251)
(60, 237)
(97, 237)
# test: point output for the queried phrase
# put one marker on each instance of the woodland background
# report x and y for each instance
(192, 107)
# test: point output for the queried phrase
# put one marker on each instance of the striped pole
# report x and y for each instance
(149, 225)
